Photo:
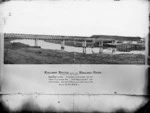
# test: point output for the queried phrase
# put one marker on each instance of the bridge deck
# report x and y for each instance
(53, 37)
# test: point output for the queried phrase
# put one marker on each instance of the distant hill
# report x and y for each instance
(123, 38)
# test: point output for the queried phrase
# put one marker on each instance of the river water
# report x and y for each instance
(54, 46)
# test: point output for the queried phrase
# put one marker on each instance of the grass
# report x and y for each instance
(18, 53)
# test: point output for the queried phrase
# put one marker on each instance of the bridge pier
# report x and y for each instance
(62, 45)
(84, 46)
(100, 46)
(92, 46)
(36, 42)
(113, 41)
(114, 48)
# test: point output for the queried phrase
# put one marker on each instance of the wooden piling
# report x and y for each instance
(84, 46)
(62, 44)
(100, 46)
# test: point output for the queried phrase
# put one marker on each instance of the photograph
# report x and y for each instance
(57, 49)
(76, 32)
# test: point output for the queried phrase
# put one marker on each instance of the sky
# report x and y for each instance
(77, 18)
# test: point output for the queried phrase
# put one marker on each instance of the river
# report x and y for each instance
(54, 46)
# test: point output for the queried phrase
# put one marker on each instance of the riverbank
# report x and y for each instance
(18, 53)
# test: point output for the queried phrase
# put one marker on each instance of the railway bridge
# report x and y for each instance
(82, 39)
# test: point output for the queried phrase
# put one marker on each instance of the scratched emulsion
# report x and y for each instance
(77, 103)
(111, 90)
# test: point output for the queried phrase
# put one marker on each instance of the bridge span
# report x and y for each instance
(84, 40)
